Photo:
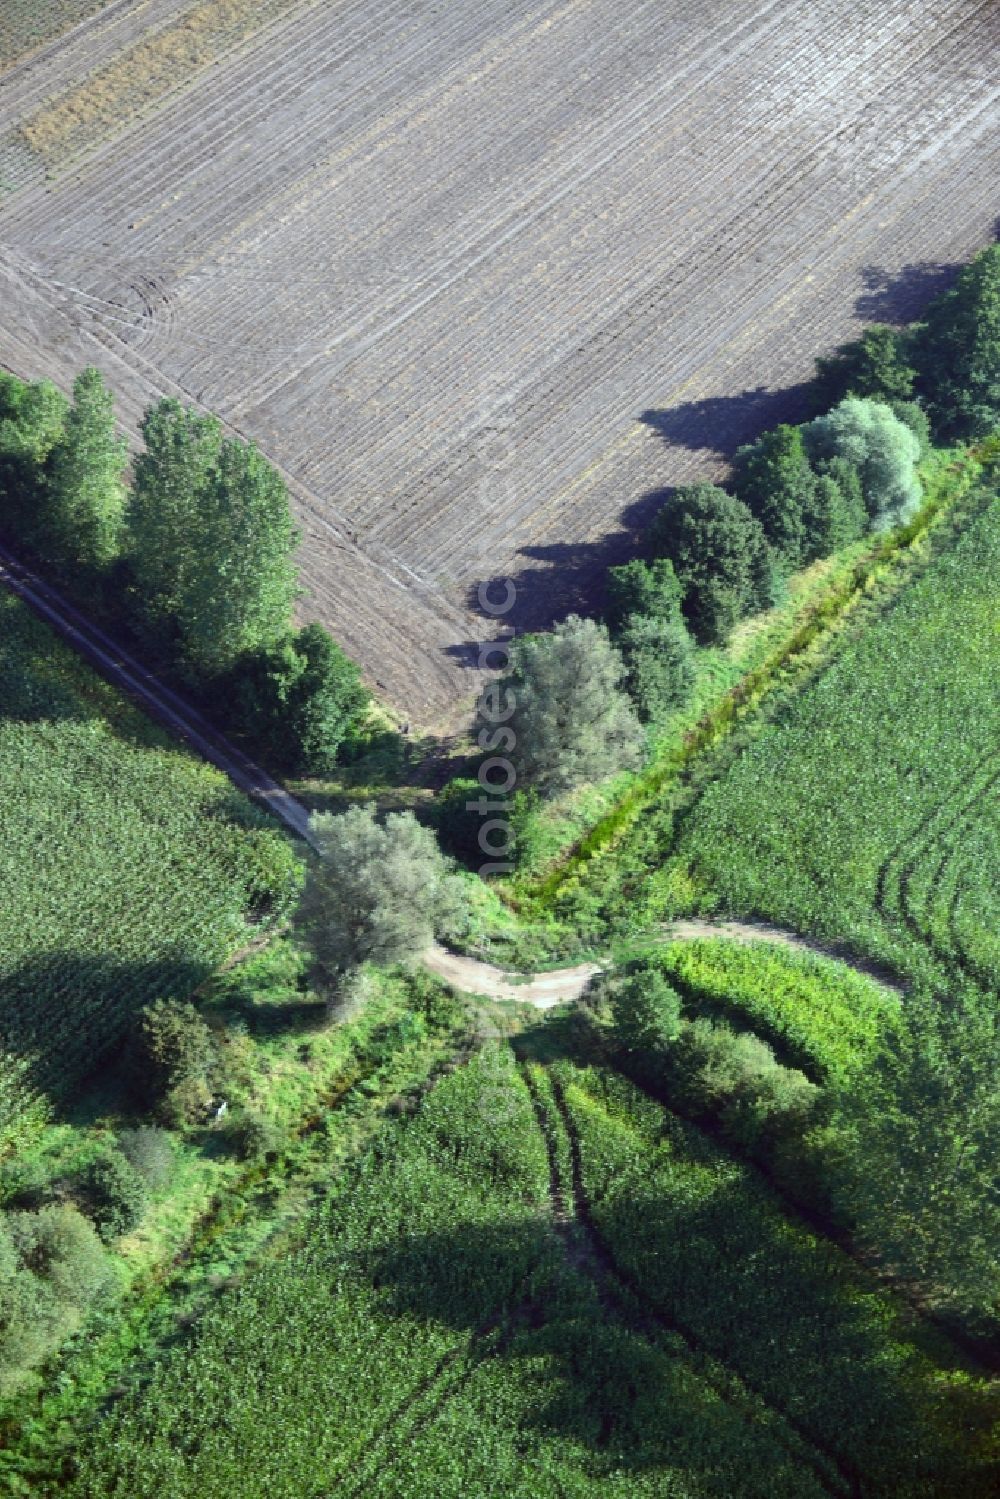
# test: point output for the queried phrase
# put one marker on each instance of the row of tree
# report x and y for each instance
(194, 558)
(582, 692)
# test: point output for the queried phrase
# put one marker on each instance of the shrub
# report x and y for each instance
(255, 1136)
(174, 1062)
(457, 827)
(51, 1267)
(646, 1012)
(720, 555)
(114, 1195)
(658, 660)
(150, 1151)
(734, 1075)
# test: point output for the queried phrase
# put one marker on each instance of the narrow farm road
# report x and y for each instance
(158, 701)
(563, 984)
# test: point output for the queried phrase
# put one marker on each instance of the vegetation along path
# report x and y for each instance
(561, 984)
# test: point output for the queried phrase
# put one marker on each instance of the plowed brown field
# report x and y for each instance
(440, 260)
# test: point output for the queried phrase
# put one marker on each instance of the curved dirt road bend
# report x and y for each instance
(562, 984)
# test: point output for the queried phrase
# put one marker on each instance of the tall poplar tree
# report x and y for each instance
(237, 588)
(85, 494)
(181, 449)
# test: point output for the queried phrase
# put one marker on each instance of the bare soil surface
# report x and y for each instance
(482, 278)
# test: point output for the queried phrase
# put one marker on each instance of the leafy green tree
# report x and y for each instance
(837, 514)
(238, 585)
(32, 420)
(570, 721)
(921, 1139)
(647, 1012)
(296, 701)
(649, 588)
(174, 1062)
(85, 494)
(114, 1195)
(882, 449)
(957, 352)
(658, 655)
(875, 366)
(774, 480)
(52, 1266)
(377, 892)
(171, 475)
(720, 555)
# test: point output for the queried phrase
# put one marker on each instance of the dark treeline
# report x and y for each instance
(193, 560)
(713, 555)
(801, 492)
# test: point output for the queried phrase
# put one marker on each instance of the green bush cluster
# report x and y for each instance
(706, 1068)
(194, 559)
(52, 1266)
(173, 1063)
(822, 1015)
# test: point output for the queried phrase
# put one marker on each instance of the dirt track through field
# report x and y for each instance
(563, 984)
(441, 262)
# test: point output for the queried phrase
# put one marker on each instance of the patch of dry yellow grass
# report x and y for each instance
(142, 75)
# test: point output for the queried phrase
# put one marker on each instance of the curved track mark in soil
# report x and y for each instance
(941, 826)
(625, 1299)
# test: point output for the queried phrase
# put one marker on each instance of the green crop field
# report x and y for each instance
(868, 810)
(448, 1327)
(821, 1015)
(129, 869)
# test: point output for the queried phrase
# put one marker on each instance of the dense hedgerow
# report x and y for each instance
(820, 1014)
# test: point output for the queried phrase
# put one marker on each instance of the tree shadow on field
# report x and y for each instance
(721, 424)
(610, 1352)
(560, 578)
(616, 1401)
(64, 1016)
(902, 296)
